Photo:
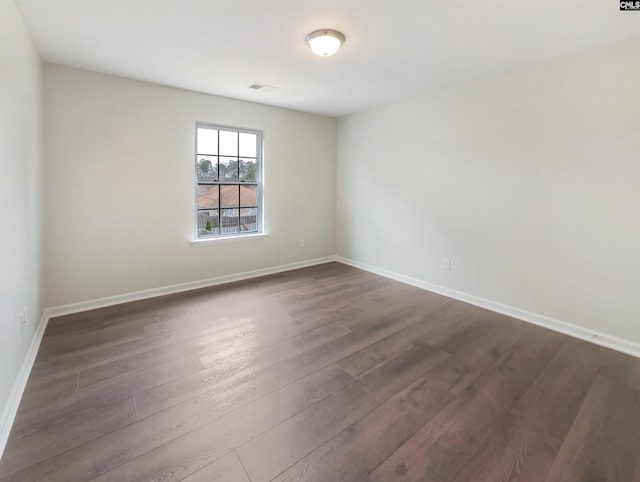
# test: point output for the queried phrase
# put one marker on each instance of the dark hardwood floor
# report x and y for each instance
(323, 374)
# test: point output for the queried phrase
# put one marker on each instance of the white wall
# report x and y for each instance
(529, 182)
(119, 190)
(20, 206)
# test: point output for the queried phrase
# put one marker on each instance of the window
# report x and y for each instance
(228, 181)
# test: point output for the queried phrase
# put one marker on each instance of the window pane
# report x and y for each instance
(247, 145)
(229, 197)
(208, 222)
(248, 196)
(207, 141)
(230, 219)
(228, 143)
(228, 169)
(207, 168)
(248, 170)
(248, 220)
(208, 197)
(228, 181)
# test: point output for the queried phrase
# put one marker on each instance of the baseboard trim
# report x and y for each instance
(179, 288)
(571, 329)
(11, 407)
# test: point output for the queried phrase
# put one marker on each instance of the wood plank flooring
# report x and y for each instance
(325, 374)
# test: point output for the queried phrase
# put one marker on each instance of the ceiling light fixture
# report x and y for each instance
(325, 42)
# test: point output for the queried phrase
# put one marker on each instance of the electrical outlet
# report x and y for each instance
(23, 318)
(446, 264)
(302, 243)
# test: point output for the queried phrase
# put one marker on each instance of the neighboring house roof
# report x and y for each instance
(230, 196)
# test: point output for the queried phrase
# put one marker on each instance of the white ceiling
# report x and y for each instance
(393, 48)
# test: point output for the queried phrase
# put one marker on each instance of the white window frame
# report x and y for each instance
(198, 237)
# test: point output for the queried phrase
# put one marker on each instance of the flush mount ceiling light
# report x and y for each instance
(325, 42)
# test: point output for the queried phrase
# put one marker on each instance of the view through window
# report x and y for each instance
(228, 181)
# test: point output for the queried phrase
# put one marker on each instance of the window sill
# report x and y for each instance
(228, 239)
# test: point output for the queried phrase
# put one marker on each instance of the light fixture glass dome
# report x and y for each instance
(325, 42)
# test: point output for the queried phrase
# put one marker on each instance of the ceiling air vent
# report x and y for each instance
(261, 87)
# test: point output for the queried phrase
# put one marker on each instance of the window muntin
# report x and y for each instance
(228, 181)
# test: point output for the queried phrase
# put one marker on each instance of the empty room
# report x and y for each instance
(284, 240)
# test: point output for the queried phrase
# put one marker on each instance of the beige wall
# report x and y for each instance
(20, 188)
(119, 189)
(528, 182)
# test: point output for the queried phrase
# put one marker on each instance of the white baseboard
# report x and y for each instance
(179, 288)
(576, 331)
(11, 407)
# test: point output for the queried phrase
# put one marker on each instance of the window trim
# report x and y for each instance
(228, 239)
(199, 239)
